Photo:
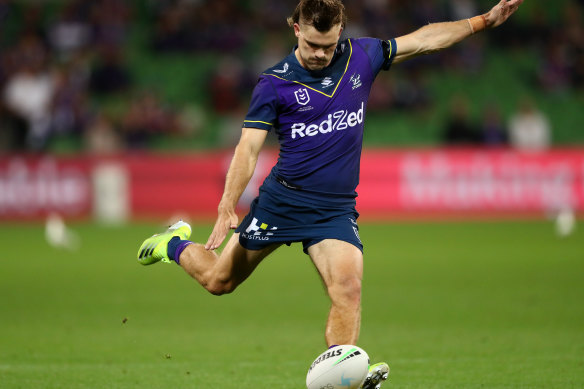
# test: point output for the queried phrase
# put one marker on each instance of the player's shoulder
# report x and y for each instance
(282, 69)
(377, 50)
(366, 43)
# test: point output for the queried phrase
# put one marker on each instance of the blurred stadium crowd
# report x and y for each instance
(62, 63)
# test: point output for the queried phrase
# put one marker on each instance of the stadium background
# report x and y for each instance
(193, 65)
(112, 83)
(137, 127)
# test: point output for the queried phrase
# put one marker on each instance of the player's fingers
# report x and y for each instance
(215, 237)
(234, 222)
(510, 8)
(222, 226)
(220, 231)
(217, 242)
(210, 240)
(214, 240)
(515, 4)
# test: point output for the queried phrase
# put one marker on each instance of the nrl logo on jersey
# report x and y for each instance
(302, 96)
(356, 80)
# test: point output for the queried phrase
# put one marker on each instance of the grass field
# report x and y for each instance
(448, 305)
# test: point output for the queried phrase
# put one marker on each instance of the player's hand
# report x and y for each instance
(226, 220)
(501, 12)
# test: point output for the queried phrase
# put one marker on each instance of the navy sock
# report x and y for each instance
(175, 248)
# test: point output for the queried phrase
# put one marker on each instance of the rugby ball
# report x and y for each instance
(344, 366)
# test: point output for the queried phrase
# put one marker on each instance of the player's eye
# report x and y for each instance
(314, 46)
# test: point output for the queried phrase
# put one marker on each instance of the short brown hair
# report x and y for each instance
(321, 14)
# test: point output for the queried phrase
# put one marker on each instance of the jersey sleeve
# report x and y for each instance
(381, 52)
(262, 111)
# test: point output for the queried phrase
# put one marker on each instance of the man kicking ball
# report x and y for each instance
(315, 99)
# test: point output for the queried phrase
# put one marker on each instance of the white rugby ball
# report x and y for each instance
(340, 367)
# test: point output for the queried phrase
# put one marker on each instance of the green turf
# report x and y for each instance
(448, 305)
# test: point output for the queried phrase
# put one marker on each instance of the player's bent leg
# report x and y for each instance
(376, 375)
(221, 274)
(340, 265)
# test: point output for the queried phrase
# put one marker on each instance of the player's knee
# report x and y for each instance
(219, 287)
(353, 290)
(347, 291)
(218, 282)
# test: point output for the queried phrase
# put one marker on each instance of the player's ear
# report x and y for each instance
(297, 30)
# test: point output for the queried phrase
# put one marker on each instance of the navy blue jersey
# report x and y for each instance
(318, 117)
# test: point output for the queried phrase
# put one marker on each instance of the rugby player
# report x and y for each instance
(315, 100)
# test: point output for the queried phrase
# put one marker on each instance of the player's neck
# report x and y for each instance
(299, 59)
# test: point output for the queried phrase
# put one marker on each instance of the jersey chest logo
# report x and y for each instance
(302, 96)
(356, 81)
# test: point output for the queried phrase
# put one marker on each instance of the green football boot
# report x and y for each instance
(377, 374)
(154, 249)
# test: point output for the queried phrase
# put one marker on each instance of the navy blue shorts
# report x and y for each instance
(273, 219)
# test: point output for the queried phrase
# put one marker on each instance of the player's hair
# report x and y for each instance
(321, 14)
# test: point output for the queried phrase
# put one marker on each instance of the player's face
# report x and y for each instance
(316, 49)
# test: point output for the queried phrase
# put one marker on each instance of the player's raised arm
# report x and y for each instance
(437, 36)
(240, 172)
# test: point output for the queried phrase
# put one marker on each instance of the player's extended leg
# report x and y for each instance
(340, 265)
(222, 273)
(218, 273)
